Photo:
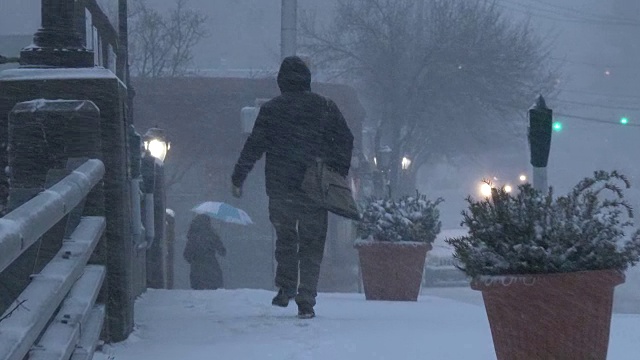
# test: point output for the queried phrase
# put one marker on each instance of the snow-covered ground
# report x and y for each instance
(242, 324)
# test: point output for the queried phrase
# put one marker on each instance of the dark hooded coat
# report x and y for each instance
(293, 129)
(203, 243)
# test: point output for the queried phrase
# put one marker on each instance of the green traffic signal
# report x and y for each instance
(624, 120)
(557, 126)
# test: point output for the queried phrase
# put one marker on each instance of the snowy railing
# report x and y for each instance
(67, 288)
(109, 39)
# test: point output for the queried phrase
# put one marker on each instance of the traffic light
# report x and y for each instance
(540, 128)
(557, 126)
(624, 120)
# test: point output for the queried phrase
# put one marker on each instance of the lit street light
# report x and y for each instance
(406, 163)
(384, 155)
(383, 162)
(156, 147)
(485, 189)
(155, 141)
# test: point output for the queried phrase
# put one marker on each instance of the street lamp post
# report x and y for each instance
(384, 164)
(406, 180)
(540, 130)
(57, 43)
(156, 147)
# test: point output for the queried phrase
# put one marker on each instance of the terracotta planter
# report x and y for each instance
(392, 270)
(555, 316)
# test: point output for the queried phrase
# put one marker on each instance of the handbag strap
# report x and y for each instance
(325, 143)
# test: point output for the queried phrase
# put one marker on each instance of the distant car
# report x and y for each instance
(508, 182)
(440, 266)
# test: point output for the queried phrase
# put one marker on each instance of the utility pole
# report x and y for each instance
(289, 32)
(421, 19)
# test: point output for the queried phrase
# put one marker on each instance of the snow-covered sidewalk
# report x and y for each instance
(242, 324)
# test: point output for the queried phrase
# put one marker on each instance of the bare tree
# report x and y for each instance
(162, 44)
(441, 77)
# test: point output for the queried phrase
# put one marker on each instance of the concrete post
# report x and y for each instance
(43, 136)
(170, 240)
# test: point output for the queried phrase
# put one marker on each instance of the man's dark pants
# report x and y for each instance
(301, 229)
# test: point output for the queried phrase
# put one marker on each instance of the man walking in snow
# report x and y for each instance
(293, 130)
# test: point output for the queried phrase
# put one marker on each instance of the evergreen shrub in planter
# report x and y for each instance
(547, 266)
(395, 236)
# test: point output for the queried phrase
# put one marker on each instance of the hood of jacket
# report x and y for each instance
(294, 75)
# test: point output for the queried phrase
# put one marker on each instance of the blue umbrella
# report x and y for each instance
(224, 212)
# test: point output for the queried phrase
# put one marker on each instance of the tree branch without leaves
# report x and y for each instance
(440, 76)
(163, 44)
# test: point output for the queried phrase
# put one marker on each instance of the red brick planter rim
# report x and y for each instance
(497, 282)
(368, 243)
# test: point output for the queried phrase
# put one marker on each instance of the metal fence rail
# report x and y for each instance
(22, 227)
(60, 319)
(62, 336)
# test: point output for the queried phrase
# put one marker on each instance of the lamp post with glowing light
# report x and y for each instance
(406, 181)
(156, 147)
(383, 162)
(156, 143)
(406, 163)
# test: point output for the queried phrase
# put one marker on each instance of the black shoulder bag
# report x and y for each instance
(327, 187)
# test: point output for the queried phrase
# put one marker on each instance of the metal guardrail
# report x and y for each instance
(67, 288)
(22, 227)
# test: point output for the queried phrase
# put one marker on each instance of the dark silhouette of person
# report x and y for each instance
(293, 130)
(203, 243)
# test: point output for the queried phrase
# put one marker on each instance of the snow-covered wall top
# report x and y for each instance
(23, 74)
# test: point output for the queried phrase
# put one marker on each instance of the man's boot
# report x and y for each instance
(283, 297)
